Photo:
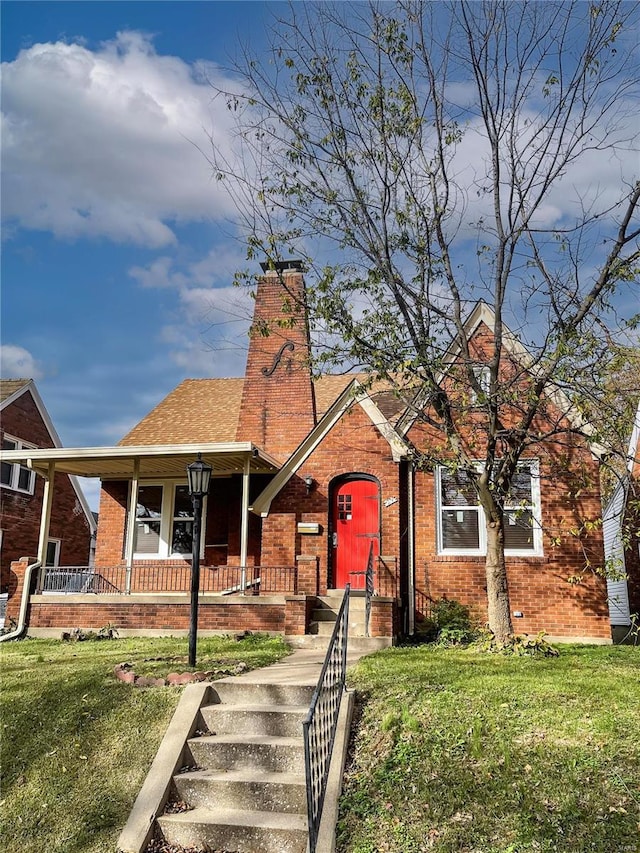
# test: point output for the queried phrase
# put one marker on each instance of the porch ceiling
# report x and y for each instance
(158, 461)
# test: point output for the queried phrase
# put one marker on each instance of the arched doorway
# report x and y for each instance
(354, 525)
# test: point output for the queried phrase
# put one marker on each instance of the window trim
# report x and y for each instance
(482, 374)
(16, 467)
(166, 523)
(481, 550)
(57, 543)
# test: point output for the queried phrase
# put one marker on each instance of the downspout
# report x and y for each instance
(411, 531)
(22, 616)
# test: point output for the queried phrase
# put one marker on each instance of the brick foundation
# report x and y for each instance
(159, 613)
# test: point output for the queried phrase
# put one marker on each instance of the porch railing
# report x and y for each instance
(319, 727)
(143, 577)
(383, 573)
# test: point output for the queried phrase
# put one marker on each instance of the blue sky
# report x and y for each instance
(118, 252)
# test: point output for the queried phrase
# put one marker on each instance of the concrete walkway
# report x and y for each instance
(302, 667)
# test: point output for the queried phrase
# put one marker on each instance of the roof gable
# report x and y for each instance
(353, 394)
(10, 391)
(483, 315)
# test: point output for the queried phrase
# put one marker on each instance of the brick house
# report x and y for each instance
(311, 478)
(25, 425)
(621, 529)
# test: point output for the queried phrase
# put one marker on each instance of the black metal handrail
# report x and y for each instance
(320, 724)
(368, 591)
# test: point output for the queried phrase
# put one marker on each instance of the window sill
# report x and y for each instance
(475, 557)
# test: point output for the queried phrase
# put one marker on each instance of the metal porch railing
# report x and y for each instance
(156, 577)
(319, 727)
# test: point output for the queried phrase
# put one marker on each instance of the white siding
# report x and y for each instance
(617, 592)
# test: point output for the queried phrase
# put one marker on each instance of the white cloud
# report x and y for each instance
(103, 143)
(18, 363)
(209, 337)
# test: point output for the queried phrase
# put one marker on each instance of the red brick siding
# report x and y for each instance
(113, 522)
(20, 513)
(278, 411)
(352, 445)
(129, 614)
(538, 586)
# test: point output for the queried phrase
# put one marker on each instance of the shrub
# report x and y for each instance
(450, 623)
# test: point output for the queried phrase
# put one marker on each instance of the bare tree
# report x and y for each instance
(422, 156)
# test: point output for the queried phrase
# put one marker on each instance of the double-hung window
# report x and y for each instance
(461, 519)
(14, 475)
(164, 521)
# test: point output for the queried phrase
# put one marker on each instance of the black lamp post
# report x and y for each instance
(199, 474)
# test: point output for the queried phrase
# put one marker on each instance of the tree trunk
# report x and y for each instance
(497, 589)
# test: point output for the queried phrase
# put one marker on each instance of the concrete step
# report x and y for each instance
(237, 830)
(323, 614)
(239, 691)
(280, 720)
(325, 628)
(244, 789)
(357, 603)
(360, 645)
(228, 752)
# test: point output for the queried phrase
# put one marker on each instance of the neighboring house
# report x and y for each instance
(25, 425)
(310, 478)
(621, 529)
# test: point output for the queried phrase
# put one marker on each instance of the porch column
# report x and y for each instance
(45, 521)
(244, 524)
(131, 524)
(411, 586)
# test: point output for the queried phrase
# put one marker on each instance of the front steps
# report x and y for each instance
(244, 780)
(323, 619)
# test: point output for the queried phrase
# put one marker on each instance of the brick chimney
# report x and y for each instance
(278, 404)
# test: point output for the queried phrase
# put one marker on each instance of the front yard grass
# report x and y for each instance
(457, 751)
(77, 743)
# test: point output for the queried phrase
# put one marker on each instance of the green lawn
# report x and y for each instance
(454, 750)
(458, 751)
(77, 743)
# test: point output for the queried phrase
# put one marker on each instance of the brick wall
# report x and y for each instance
(20, 513)
(113, 521)
(166, 614)
(353, 445)
(539, 587)
(278, 409)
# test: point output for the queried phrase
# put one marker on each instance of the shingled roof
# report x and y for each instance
(207, 410)
(197, 411)
(8, 387)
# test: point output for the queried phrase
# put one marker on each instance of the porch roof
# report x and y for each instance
(154, 461)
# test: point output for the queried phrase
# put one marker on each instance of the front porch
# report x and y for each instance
(153, 599)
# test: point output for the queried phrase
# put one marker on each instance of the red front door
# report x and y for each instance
(355, 525)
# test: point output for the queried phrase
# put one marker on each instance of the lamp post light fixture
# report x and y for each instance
(199, 476)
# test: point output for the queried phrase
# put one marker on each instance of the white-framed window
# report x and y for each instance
(13, 475)
(164, 521)
(482, 374)
(461, 520)
(53, 552)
